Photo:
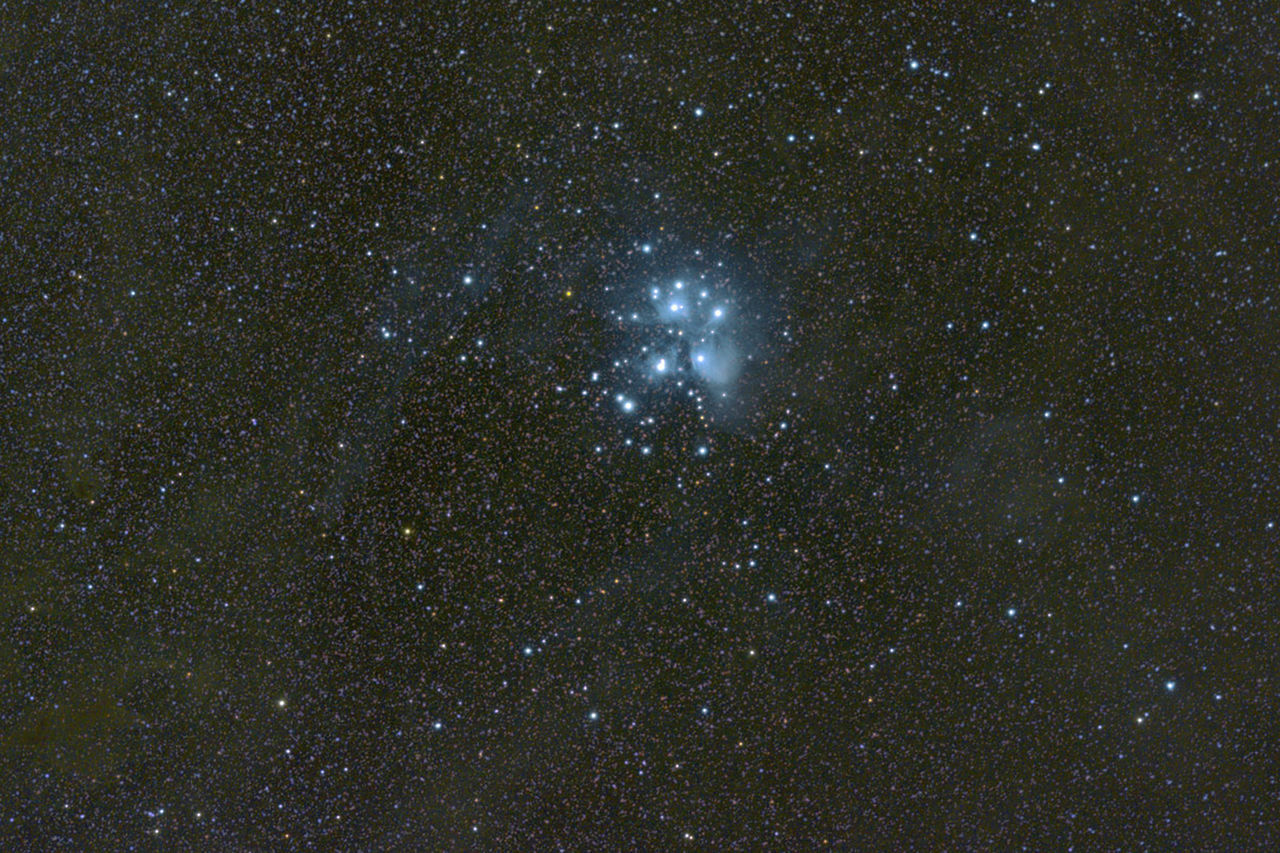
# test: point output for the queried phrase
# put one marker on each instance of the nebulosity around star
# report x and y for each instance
(684, 335)
(694, 340)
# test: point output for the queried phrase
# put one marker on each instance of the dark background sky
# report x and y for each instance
(318, 534)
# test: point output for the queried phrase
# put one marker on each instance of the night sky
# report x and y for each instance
(546, 427)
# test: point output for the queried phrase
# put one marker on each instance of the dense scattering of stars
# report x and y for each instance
(687, 337)
(553, 427)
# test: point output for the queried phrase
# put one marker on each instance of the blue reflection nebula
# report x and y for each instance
(685, 333)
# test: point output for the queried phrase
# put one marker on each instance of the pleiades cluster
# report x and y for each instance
(578, 427)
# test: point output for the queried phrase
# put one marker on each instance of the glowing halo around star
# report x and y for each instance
(685, 333)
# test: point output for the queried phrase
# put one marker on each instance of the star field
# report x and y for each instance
(569, 427)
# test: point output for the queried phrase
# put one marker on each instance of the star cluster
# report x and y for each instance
(533, 426)
(685, 334)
